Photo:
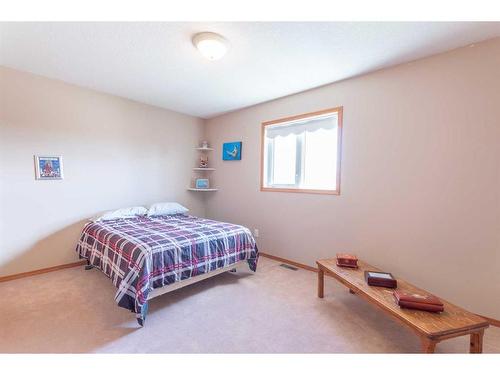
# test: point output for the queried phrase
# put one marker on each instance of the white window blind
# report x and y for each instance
(302, 154)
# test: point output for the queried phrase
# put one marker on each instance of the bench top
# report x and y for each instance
(453, 321)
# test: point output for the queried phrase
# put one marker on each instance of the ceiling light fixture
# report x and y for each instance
(211, 45)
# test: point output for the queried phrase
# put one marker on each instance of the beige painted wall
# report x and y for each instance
(116, 153)
(420, 176)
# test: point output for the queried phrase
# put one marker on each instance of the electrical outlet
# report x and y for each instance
(256, 233)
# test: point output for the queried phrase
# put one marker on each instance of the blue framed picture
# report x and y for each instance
(231, 151)
(202, 183)
(48, 167)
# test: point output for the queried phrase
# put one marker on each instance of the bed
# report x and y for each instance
(148, 256)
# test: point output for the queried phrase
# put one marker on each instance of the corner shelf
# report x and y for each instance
(199, 171)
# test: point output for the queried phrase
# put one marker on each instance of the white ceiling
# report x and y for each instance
(156, 63)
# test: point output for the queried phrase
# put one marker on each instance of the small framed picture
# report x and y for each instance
(48, 167)
(380, 275)
(377, 278)
(231, 151)
(202, 183)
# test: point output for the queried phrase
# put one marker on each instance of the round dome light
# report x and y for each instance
(211, 45)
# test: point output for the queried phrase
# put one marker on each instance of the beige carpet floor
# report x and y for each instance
(273, 311)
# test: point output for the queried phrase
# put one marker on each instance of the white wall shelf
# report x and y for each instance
(198, 171)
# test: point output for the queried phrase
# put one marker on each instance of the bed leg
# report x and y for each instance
(141, 318)
(88, 266)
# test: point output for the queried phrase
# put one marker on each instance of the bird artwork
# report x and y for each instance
(234, 152)
(231, 151)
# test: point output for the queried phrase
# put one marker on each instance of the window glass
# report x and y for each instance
(303, 153)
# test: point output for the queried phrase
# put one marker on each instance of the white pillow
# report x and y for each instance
(166, 208)
(121, 213)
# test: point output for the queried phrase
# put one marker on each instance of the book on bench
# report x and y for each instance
(418, 302)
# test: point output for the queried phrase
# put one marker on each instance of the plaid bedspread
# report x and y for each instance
(144, 253)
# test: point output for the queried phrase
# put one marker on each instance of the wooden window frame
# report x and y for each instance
(336, 191)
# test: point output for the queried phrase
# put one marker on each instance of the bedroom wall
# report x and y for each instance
(420, 179)
(116, 153)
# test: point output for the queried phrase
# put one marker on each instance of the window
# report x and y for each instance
(302, 153)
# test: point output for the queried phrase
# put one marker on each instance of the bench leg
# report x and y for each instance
(428, 345)
(321, 283)
(476, 342)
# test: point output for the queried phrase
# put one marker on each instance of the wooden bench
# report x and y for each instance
(431, 327)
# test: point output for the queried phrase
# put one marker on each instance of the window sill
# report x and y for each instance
(307, 191)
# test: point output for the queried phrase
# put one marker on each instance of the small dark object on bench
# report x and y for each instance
(383, 279)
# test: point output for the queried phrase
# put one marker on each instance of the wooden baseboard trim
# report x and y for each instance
(40, 271)
(493, 322)
(288, 261)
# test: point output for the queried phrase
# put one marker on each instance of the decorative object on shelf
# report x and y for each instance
(203, 161)
(48, 167)
(418, 302)
(347, 260)
(202, 183)
(375, 278)
(204, 144)
(231, 151)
